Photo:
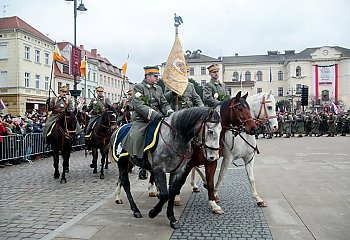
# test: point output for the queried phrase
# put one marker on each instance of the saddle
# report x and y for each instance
(152, 137)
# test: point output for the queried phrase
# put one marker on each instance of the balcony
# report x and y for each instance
(238, 84)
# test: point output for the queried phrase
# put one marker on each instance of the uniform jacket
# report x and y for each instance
(98, 105)
(212, 91)
(189, 98)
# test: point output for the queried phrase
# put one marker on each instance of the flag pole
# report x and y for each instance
(178, 21)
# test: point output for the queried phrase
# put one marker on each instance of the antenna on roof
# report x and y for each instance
(3, 12)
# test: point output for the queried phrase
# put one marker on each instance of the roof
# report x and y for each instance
(200, 58)
(17, 23)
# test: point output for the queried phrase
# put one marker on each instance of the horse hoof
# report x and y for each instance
(119, 201)
(137, 215)
(102, 176)
(178, 203)
(93, 165)
(152, 194)
(56, 175)
(152, 213)
(63, 180)
(261, 204)
(94, 171)
(174, 225)
(195, 189)
(218, 211)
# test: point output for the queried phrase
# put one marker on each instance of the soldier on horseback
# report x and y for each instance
(96, 107)
(214, 91)
(58, 105)
(149, 104)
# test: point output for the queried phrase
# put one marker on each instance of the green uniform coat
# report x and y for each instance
(212, 92)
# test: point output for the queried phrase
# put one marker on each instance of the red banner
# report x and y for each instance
(75, 61)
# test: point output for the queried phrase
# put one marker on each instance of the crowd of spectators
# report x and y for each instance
(19, 125)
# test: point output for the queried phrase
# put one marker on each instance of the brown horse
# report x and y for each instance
(60, 138)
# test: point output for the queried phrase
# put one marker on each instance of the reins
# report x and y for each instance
(263, 107)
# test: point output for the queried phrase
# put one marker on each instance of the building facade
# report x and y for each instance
(25, 66)
(325, 71)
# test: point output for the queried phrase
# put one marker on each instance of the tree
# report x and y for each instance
(197, 87)
(161, 84)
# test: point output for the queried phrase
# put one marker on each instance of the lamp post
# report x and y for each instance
(75, 93)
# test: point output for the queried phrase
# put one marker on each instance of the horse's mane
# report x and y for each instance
(184, 121)
(224, 103)
(67, 113)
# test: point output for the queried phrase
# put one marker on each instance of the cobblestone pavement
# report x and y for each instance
(33, 203)
(242, 219)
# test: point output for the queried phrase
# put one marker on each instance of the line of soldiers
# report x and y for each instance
(312, 124)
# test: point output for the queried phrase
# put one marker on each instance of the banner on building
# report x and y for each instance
(75, 61)
(325, 74)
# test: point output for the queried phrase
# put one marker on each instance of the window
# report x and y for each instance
(46, 83)
(229, 91)
(47, 56)
(248, 76)
(298, 71)
(191, 70)
(203, 82)
(3, 51)
(235, 76)
(280, 76)
(280, 91)
(104, 79)
(298, 88)
(37, 56)
(65, 69)
(94, 77)
(27, 79)
(59, 84)
(109, 81)
(259, 90)
(101, 78)
(3, 76)
(26, 52)
(37, 81)
(203, 71)
(259, 76)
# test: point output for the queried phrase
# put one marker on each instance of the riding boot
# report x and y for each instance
(143, 171)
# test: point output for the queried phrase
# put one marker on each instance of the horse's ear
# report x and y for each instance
(238, 96)
(269, 94)
(245, 96)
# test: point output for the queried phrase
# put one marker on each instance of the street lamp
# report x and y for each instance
(75, 93)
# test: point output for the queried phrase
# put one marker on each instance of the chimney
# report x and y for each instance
(94, 52)
(272, 53)
(82, 47)
(236, 54)
(289, 52)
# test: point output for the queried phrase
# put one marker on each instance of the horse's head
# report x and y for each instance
(236, 113)
(68, 123)
(109, 117)
(263, 108)
(210, 130)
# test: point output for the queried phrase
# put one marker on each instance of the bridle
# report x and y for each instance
(105, 136)
(197, 144)
(263, 108)
(66, 132)
(240, 128)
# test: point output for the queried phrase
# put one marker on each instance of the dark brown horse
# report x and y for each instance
(100, 137)
(60, 138)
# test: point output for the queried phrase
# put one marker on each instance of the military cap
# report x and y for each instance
(100, 89)
(63, 88)
(151, 70)
(129, 92)
(213, 67)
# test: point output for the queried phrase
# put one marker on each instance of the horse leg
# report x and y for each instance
(56, 158)
(152, 189)
(66, 169)
(118, 199)
(249, 167)
(103, 157)
(65, 165)
(125, 182)
(94, 160)
(224, 165)
(210, 169)
(202, 177)
(160, 179)
(106, 159)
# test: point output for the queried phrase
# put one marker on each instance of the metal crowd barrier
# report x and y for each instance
(23, 147)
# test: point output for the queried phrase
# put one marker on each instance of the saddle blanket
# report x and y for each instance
(152, 137)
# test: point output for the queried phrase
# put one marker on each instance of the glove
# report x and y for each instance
(158, 116)
(169, 112)
(48, 101)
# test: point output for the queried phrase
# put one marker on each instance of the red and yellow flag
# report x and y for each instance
(57, 54)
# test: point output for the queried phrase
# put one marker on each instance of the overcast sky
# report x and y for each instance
(144, 29)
